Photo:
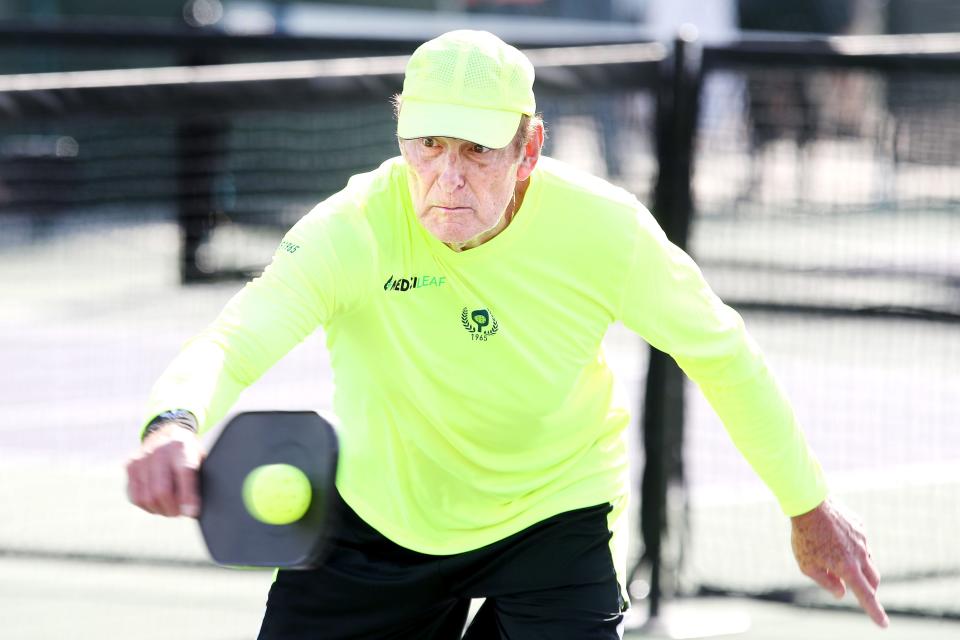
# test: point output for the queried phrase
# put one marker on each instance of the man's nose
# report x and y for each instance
(451, 173)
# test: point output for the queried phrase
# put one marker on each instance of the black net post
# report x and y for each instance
(673, 206)
(198, 143)
(200, 148)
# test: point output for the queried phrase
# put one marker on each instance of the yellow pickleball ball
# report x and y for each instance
(277, 493)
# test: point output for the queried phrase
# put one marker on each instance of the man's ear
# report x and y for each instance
(531, 154)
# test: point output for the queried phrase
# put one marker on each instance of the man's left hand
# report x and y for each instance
(831, 548)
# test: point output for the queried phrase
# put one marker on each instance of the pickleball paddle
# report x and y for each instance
(266, 439)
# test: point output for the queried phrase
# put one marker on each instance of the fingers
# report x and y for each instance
(138, 486)
(827, 581)
(870, 572)
(863, 580)
(163, 479)
(135, 489)
(866, 594)
(188, 491)
(162, 489)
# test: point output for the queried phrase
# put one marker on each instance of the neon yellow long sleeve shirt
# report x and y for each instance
(471, 391)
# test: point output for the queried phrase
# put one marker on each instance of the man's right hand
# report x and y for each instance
(163, 476)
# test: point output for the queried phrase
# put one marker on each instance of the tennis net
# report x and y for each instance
(826, 194)
(117, 186)
(828, 212)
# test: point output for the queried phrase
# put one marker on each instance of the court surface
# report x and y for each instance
(45, 599)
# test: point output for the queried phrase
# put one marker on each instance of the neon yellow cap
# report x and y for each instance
(469, 85)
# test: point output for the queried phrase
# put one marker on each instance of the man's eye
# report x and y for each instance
(428, 142)
(479, 148)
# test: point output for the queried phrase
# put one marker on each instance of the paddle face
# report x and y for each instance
(233, 536)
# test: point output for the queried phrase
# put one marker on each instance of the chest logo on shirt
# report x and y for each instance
(480, 323)
(413, 282)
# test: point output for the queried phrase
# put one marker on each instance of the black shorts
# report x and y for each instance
(553, 580)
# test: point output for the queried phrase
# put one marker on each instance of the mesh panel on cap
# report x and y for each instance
(443, 72)
(481, 78)
(515, 82)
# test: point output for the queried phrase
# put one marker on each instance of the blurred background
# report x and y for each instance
(805, 153)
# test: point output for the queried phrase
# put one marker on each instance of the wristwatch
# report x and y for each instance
(180, 417)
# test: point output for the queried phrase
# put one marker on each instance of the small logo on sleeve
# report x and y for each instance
(479, 323)
(289, 247)
(413, 282)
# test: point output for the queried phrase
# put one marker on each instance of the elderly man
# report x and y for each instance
(464, 288)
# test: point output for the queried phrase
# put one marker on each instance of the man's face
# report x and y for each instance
(460, 190)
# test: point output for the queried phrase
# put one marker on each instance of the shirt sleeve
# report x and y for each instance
(667, 301)
(321, 269)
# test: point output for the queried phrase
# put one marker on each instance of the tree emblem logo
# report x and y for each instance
(479, 323)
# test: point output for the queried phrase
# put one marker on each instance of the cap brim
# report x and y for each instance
(488, 127)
